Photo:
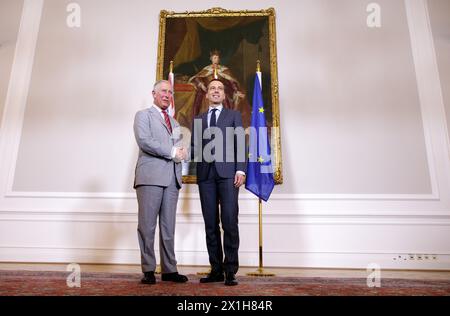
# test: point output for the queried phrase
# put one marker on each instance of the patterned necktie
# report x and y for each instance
(166, 118)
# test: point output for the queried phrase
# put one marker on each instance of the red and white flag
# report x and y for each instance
(171, 109)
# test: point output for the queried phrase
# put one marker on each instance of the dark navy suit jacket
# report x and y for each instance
(233, 153)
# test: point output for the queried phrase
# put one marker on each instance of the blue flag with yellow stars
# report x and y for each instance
(259, 168)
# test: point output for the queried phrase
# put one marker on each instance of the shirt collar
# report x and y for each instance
(159, 109)
(219, 108)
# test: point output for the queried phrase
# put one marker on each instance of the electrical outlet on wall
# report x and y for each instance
(414, 256)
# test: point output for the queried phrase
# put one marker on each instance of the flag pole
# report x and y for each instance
(260, 271)
(260, 236)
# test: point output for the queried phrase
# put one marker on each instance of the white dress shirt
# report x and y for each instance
(219, 109)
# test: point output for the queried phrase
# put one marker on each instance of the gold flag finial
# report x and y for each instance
(216, 76)
(258, 66)
(171, 66)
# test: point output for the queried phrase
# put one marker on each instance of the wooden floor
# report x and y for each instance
(281, 272)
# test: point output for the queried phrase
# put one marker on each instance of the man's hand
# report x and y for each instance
(181, 153)
(239, 180)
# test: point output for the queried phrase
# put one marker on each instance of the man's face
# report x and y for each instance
(215, 59)
(162, 95)
(216, 93)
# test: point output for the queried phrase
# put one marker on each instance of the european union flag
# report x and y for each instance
(259, 168)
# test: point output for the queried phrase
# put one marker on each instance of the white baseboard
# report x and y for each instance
(247, 258)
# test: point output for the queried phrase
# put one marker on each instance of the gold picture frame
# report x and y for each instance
(186, 41)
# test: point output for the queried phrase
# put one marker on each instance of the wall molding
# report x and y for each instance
(430, 93)
(436, 63)
(196, 217)
(242, 196)
(16, 97)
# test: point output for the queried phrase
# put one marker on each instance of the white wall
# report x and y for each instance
(364, 136)
(9, 25)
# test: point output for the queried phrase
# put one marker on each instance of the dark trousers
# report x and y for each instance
(215, 191)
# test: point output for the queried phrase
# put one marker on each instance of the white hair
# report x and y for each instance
(158, 83)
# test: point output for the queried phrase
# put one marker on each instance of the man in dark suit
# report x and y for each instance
(218, 148)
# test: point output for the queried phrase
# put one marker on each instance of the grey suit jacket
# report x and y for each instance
(155, 165)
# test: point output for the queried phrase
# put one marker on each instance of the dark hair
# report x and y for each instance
(214, 79)
(214, 52)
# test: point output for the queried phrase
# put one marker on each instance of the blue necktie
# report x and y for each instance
(213, 120)
(212, 123)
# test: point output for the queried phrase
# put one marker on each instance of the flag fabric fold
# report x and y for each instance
(171, 108)
(259, 168)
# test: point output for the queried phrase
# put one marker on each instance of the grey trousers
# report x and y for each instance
(157, 201)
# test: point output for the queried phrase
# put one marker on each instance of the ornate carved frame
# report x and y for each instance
(219, 12)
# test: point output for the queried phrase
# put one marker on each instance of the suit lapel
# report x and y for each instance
(224, 113)
(222, 116)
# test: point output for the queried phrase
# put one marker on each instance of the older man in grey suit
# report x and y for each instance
(157, 183)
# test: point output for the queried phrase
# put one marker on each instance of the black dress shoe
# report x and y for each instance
(149, 278)
(230, 279)
(213, 277)
(174, 277)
